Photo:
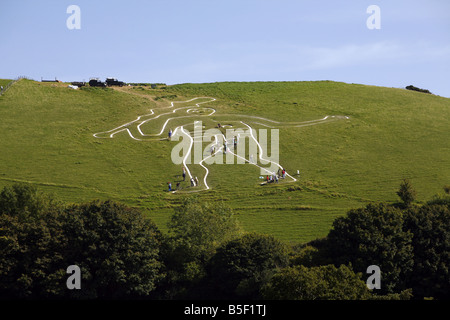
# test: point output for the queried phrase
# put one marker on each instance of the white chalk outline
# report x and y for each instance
(190, 109)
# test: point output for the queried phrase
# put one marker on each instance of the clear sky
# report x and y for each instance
(180, 41)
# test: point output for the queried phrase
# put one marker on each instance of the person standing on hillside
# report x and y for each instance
(170, 133)
(184, 174)
(170, 186)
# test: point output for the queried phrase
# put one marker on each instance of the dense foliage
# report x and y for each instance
(373, 235)
(430, 226)
(196, 230)
(116, 249)
(316, 283)
(242, 266)
(206, 255)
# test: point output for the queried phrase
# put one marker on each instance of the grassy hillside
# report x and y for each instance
(47, 139)
(4, 82)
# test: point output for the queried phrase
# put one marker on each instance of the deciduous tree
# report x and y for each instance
(430, 226)
(316, 283)
(373, 235)
(242, 266)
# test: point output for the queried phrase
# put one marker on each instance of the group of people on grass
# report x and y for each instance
(225, 144)
(275, 176)
(194, 181)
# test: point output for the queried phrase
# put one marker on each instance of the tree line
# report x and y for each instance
(206, 255)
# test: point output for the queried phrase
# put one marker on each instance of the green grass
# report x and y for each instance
(47, 139)
(4, 82)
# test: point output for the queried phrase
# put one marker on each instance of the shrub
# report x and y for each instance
(411, 87)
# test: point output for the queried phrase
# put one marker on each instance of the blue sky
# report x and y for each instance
(179, 41)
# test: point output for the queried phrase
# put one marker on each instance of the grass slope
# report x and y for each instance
(47, 139)
(4, 82)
